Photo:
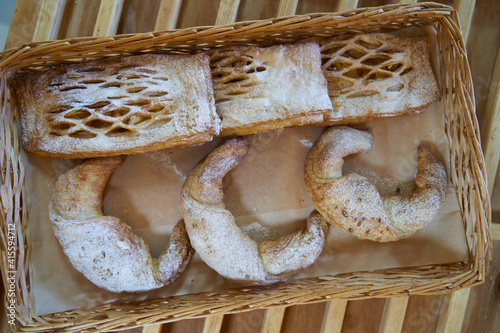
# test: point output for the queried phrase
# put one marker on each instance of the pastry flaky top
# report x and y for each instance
(119, 105)
(377, 75)
(260, 89)
(131, 104)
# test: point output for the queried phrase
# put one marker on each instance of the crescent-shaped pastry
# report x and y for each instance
(222, 245)
(104, 248)
(352, 203)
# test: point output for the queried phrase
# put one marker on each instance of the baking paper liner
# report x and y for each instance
(267, 195)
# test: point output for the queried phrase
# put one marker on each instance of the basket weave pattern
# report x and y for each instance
(467, 171)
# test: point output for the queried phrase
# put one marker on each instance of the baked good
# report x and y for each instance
(352, 202)
(376, 75)
(119, 105)
(104, 248)
(258, 89)
(222, 245)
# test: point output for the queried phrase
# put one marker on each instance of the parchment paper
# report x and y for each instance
(267, 195)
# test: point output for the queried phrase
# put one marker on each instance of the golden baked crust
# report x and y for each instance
(222, 245)
(103, 248)
(352, 203)
(260, 89)
(377, 75)
(120, 105)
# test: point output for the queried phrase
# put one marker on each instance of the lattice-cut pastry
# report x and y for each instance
(115, 106)
(377, 75)
(259, 89)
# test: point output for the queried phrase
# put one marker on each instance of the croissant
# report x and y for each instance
(104, 248)
(222, 245)
(352, 203)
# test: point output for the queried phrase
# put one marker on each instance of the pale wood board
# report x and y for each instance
(273, 319)
(333, 317)
(152, 329)
(227, 12)
(108, 17)
(213, 323)
(168, 14)
(452, 312)
(49, 19)
(465, 9)
(287, 7)
(347, 5)
(483, 306)
(394, 315)
(79, 19)
(490, 132)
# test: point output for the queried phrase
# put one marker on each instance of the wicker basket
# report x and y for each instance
(467, 170)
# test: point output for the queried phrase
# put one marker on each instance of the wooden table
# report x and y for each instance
(469, 310)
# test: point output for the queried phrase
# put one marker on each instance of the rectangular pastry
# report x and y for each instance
(119, 105)
(259, 89)
(377, 75)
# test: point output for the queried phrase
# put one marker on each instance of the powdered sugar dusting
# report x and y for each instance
(118, 105)
(103, 248)
(256, 231)
(377, 75)
(223, 245)
(274, 86)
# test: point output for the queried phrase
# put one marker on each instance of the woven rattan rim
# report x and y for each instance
(468, 169)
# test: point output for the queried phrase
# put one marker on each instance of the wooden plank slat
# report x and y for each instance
(79, 19)
(363, 315)
(49, 19)
(108, 17)
(287, 7)
(273, 319)
(156, 328)
(168, 15)
(344, 5)
(465, 9)
(334, 316)
(490, 132)
(451, 315)
(227, 12)
(23, 23)
(495, 231)
(394, 315)
(213, 323)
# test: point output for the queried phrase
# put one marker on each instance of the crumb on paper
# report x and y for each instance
(307, 141)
